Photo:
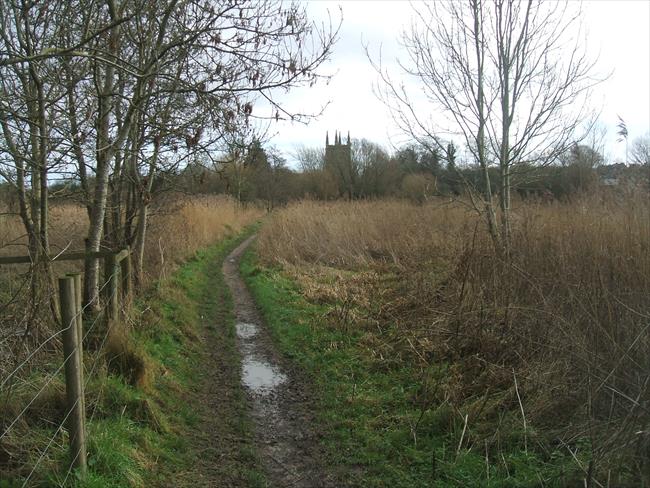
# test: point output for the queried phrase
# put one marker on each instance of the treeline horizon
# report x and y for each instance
(413, 171)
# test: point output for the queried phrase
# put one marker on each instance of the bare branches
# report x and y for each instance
(509, 78)
(109, 91)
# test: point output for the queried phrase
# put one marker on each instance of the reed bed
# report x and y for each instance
(355, 235)
(184, 226)
(178, 227)
(558, 334)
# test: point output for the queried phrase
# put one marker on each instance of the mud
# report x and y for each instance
(278, 397)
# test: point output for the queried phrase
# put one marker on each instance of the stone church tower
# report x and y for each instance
(338, 162)
(338, 155)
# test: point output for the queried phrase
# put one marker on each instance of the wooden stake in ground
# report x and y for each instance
(78, 290)
(73, 378)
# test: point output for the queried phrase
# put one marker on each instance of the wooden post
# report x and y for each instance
(73, 381)
(78, 296)
(78, 291)
(125, 269)
(110, 289)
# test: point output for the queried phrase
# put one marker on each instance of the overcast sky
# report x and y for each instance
(618, 33)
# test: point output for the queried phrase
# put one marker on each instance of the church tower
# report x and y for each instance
(338, 154)
(338, 159)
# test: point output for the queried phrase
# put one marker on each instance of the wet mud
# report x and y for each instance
(278, 397)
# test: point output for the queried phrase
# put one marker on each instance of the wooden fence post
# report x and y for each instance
(78, 310)
(110, 290)
(73, 380)
(78, 290)
(125, 269)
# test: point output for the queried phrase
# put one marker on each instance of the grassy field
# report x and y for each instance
(437, 363)
(149, 421)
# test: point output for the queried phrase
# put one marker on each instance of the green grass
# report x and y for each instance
(368, 407)
(157, 429)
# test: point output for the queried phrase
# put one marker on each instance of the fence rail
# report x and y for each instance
(116, 293)
(71, 256)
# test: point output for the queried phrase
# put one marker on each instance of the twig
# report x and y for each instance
(523, 415)
(462, 436)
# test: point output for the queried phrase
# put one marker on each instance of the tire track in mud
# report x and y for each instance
(278, 399)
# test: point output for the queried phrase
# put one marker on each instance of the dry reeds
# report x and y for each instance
(568, 315)
(359, 234)
(180, 228)
(12, 233)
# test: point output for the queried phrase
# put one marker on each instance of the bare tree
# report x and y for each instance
(309, 159)
(641, 150)
(115, 92)
(30, 115)
(372, 163)
(508, 77)
(623, 135)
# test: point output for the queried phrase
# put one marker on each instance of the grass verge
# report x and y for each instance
(166, 407)
(381, 418)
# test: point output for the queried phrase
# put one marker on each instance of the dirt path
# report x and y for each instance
(277, 396)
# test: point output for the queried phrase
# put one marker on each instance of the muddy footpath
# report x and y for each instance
(278, 398)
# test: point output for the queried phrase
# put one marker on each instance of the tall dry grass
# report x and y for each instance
(359, 234)
(11, 232)
(568, 315)
(68, 224)
(181, 227)
(178, 227)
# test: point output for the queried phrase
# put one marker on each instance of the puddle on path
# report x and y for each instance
(260, 376)
(246, 331)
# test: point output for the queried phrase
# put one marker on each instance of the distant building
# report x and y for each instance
(338, 155)
(338, 161)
